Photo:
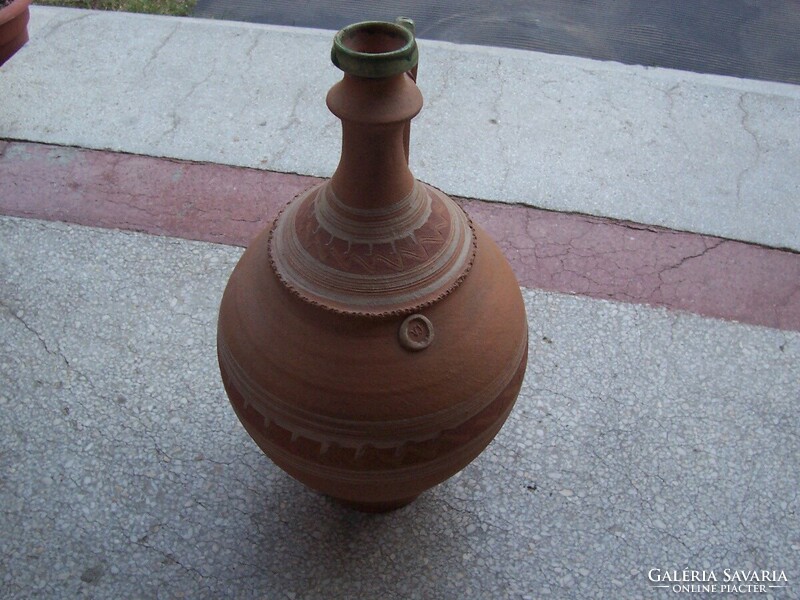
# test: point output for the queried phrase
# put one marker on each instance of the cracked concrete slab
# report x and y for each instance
(701, 153)
(642, 438)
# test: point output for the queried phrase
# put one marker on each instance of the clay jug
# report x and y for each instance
(373, 340)
(13, 28)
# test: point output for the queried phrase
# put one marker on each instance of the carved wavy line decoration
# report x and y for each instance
(362, 459)
(421, 250)
(348, 433)
(378, 225)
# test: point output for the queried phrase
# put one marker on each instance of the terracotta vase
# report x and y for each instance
(13, 28)
(373, 340)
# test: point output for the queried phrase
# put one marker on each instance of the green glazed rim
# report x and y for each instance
(379, 63)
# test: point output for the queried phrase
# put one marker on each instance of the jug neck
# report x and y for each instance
(375, 113)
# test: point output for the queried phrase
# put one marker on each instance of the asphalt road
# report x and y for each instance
(757, 39)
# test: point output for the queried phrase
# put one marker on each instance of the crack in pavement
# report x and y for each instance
(157, 50)
(17, 315)
(746, 126)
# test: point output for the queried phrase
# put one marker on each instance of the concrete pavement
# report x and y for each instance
(642, 439)
(645, 437)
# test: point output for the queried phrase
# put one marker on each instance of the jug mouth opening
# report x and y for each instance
(375, 38)
(375, 49)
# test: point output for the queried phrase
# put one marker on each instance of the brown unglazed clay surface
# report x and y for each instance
(340, 404)
(13, 28)
(596, 257)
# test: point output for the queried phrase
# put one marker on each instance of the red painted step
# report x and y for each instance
(591, 256)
